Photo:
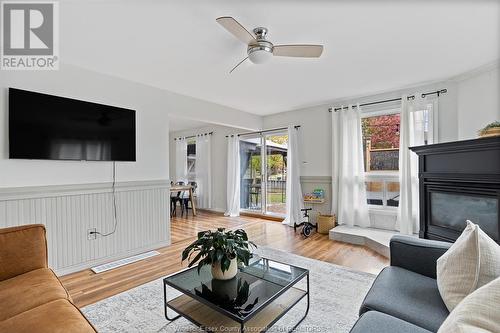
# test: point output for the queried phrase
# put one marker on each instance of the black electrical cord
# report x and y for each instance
(115, 219)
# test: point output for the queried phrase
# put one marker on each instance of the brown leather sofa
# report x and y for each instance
(32, 299)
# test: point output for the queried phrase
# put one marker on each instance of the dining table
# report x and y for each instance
(189, 188)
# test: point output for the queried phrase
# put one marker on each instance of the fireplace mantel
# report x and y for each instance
(459, 181)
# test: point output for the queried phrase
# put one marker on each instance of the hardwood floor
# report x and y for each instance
(85, 287)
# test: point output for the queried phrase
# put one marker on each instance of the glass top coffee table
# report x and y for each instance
(258, 296)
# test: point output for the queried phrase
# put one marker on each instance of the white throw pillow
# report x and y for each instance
(477, 313)
(471, 262)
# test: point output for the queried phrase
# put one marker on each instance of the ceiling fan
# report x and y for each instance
(259, 49)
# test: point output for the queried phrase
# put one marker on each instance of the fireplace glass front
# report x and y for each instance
(452, 210)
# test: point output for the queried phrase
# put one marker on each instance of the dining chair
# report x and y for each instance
(186, 199)
(174, 199)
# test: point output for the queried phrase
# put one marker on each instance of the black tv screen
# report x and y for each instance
(56, 128)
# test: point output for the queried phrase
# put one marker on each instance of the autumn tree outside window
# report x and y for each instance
(381, 158)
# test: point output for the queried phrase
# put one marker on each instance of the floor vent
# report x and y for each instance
(123, 262)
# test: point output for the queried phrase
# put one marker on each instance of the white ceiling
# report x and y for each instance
(370, 46)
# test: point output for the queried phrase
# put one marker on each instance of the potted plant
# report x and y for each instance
(492, 129)
(222, 250)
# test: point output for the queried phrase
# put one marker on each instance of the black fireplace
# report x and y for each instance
(459, 181)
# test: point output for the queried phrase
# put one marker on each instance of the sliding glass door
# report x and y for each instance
(263, 173)
(276, 153)
(251, 174)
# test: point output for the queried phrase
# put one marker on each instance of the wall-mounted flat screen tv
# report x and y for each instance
(56, 128)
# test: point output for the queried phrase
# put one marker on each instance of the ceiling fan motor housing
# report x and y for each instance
(261, 51)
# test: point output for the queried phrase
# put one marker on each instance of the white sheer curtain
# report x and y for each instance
(203, 171)
(233, 176)
(348, 179)
(294, 200)
(416, 129)
(180, 159)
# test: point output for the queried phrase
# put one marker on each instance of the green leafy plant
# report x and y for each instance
(495, 124)
(219, 246)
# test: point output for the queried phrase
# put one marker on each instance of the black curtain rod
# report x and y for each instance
(194, 136)
(263, 131)
(437, 92)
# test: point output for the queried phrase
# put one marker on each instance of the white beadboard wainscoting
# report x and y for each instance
(68, 211)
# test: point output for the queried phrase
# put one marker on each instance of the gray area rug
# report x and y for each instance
(336, 294)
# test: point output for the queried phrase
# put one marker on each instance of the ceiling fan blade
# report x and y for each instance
(305, 51)
(237, 65)
(236, 29)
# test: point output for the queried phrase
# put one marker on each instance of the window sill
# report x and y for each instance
(388, 211)
(390, 175)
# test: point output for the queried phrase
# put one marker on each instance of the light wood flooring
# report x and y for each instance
(85, 287)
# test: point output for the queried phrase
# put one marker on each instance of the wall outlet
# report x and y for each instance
(91, 235)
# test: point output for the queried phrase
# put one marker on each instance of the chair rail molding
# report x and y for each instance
(69, 211)
(316, 179)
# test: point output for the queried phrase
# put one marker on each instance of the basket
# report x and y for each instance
(325, 223)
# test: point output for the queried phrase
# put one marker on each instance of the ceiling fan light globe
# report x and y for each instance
(259, 55)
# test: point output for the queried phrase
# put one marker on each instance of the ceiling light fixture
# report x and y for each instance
(260, 50)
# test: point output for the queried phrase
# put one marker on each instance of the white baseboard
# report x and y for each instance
(213, 210)
(89, 264)
(123, 262)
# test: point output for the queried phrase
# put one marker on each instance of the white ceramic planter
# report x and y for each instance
(227, 275)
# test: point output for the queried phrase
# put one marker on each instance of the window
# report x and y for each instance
(381, 142)
(422, 120)
(381, 148)
(381, 158)
(191, 160)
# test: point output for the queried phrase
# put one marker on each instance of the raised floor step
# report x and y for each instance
(375, 239)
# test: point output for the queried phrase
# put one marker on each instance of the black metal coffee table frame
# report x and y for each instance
(233, 316)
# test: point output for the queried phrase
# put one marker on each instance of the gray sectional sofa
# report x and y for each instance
(404, 297)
